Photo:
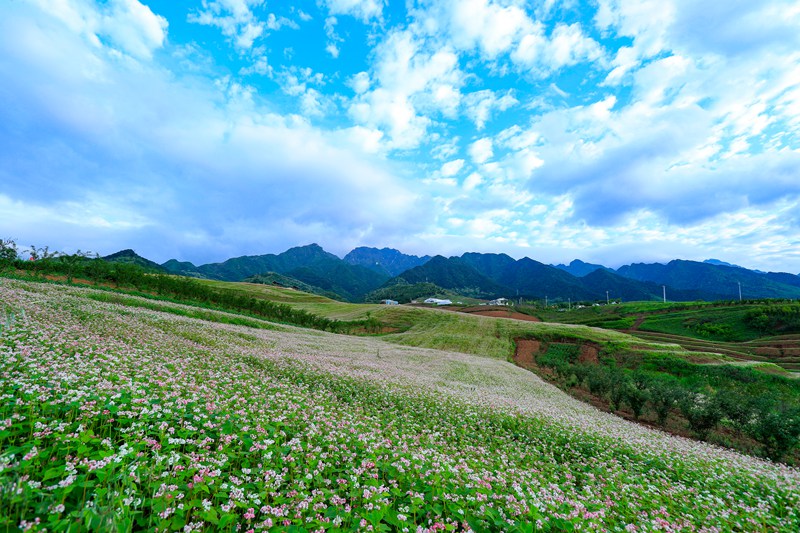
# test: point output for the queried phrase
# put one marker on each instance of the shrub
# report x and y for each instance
(703, 412)
(775, 426)
(664, 393)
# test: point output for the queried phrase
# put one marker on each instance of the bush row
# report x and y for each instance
(748, 403)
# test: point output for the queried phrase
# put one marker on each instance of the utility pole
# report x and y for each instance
(545, 302)
(607, 298)
(569, 304)
(740, 290)
(664, 287)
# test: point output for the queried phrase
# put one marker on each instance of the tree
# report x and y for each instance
(40, 258)
(8, 253)
(72, 261)
(703, 412)
(636, 394)
(775, 426)
(664, 394)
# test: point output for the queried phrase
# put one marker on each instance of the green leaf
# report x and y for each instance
(56, 471)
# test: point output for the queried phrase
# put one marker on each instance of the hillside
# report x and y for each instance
(188, 416)
(453, 274)
(279, 280)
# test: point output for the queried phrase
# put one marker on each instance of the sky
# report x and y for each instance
(613, 131)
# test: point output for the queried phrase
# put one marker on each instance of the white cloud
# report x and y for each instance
(451, 168)
(410, 81)
(473, 181)
(566, 46)
(129, 25)
(481, 150)
(492, 27)
(237, 20)
(480, 105)
(360, 82)
(365, 10)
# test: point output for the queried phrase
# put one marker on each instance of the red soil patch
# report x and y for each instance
(589, 354)
(525, 354)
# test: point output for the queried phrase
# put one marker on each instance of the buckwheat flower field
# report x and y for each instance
(118, 417)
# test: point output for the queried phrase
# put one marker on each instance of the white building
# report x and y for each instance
(390, 302)
(437, 301)
(499, 301)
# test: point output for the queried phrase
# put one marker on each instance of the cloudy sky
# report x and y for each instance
(607, 130)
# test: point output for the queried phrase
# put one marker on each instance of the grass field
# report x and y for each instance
(122, 416)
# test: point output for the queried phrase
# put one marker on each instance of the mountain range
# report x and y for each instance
(366, 272)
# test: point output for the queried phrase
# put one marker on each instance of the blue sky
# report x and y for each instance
(611, 131)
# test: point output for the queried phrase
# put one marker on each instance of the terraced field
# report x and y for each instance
(783, 351)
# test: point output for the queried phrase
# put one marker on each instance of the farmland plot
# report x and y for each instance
(130, 418)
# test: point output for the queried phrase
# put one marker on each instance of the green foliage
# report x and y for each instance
(775, 318)
(703, 412)
(8, 252)
(637, 393)
(664, 393)
(706, 395)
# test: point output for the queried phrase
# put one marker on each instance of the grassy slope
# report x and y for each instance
(445, 434)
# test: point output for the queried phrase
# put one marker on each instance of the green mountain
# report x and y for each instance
(579, 269)
(387, 261)
(619, 288)
(536, 280)
(129, 256)
(309, 264)
(181, 268)
(493, 266)
(527, 278)
(711, 281)
(456, 275)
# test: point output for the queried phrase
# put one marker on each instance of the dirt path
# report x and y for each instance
(639, 320)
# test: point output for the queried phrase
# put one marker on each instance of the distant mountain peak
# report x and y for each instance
(580, 268)
(129, 256)
(386, 261)
(720, 263)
